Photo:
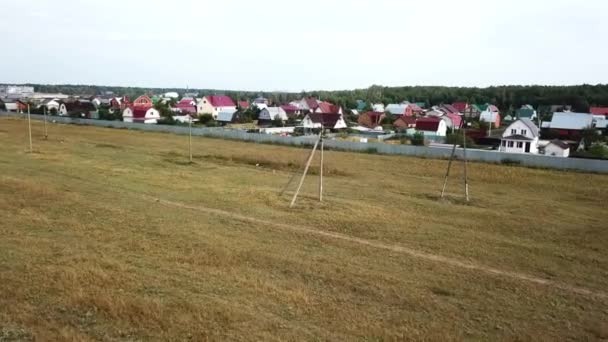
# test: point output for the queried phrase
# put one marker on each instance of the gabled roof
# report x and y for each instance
(530, 124)
(415, 107)
(447, 108)
(456, 119)
(140, 111)
(599, 110)
(329, 108)
(327, 120)
(290, 108)
(428, 124)
(312, 103)
(226, 116)
(405, 121)
(396, 108)
(571, 121)
(220, 101)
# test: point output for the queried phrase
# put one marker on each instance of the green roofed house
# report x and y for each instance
(527, 112)
(361, 105)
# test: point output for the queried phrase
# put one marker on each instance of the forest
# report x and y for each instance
(507, 98)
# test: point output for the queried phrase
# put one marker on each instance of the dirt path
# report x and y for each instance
(394, 248)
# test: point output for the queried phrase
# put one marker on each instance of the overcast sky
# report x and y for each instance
(304, 45)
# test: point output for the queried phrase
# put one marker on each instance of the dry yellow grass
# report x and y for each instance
(112, 235)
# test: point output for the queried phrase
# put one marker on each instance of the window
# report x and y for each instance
(523, 132)
(513, 131)
(520, 144)
(504, 143)
(510, 144)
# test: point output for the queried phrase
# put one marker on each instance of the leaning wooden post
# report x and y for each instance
(46, 133)
(321, 170)
(29, 125)
(447, 174)
(295, 196)
(190, 137)
(466, 180)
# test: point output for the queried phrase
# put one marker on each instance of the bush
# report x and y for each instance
(457, 138)
(206, 119)
(418, 139)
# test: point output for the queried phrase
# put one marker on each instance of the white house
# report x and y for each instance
(556, 148)
(272, 113)
(378, 107)
(396, 109)
(148, 115)
(491, 115)
(51, 104)
(432, 126)
(520, 137)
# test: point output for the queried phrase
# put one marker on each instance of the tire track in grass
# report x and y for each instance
(390, 247)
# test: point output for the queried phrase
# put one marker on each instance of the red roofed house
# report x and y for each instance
(119, 103)
(599, 111)
(371, 119)
(143, 101)
(328, 108)
(309, 104)
(432, 126)
(215, 104)
(291, 110)
(405, 122)
(141, 114)
(186, 106)
(460, 106)
(413, 109)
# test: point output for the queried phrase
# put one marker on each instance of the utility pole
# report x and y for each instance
(464, 144)
(190, 137)
(46, 135)
(321, 169)
(29, 125)
(312, 154)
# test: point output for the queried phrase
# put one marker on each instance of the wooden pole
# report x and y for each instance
(447, 174)
(466, 180)
(46, 133)
(190, 137)
(295, 196)
(29, 125)
(321, 172)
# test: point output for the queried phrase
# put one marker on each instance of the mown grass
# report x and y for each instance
(85, 254)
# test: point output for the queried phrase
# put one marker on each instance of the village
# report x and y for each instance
(559, 132)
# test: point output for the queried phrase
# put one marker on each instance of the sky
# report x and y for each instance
(283, 45)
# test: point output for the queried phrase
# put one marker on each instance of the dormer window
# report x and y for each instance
(513, 131)
(523, 132)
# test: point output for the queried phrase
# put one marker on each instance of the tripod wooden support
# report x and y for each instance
(306, 167)
(447, 174)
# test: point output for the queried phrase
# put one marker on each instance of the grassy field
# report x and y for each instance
(112, 235)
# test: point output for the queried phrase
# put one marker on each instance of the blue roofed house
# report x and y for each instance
(570, 124)
(526, 111)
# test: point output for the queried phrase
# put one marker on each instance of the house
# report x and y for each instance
(361, 105)
(119, 103)
(599, 111)
(432, 126)
(328, 108)
(460, 106)
(171, 95)
(405, 122)
(269, 114)
(316, 120)
(520, 137)
(143, 101)
(12, 105)
(261, 100)
(474, 111)
(378, 107)
(186, 106)
(371, 119)
(81, 108)
(229, 117)
(526, 111)
(556, 148)
(141, 114)
(491, 115)
(291, 110)
(309, 104)
(449, 109)
(396, 108)
(569, 124)
(214, 104)
(413, 109)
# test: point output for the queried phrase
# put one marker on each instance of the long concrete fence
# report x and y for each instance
(530, 160)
